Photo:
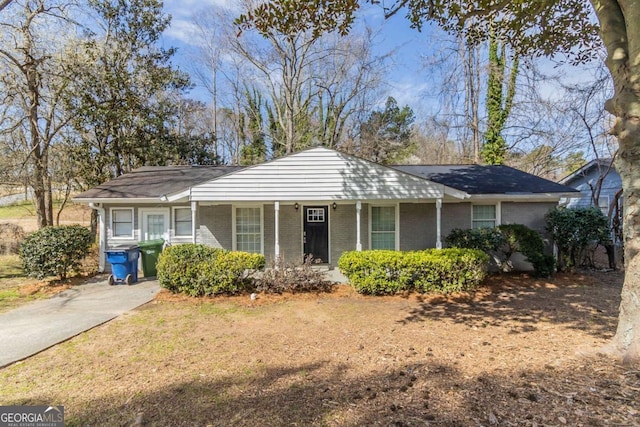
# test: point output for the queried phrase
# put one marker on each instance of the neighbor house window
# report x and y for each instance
(249, 230)
(484, 216)
(383, 227)
(182, 223)
(122, 223)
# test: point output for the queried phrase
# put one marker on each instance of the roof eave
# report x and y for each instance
(124, 200)
(527, 196)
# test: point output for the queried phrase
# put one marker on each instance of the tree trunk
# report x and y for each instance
(626, 342)
(94, 225)
(611, 255)
(620, 32)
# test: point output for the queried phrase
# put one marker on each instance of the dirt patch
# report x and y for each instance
(518, 352)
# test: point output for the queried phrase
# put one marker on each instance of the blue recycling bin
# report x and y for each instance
(124, 264)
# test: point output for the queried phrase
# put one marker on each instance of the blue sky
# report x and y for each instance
(407, 78)
(408, 81)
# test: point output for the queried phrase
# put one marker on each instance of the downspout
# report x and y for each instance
(439, 223)
(102, 235)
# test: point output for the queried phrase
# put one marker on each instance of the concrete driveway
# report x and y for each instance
(39, 325)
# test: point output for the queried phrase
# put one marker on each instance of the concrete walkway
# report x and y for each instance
(34, 327)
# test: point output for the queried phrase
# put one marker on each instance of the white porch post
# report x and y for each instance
(194, 216)
(438, 223)
(358, 234)
(276, 207)
(102, 236)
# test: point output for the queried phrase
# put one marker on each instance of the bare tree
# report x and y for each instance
(34, 80)
(310, 87)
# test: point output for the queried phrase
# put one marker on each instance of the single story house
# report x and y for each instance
(319, 201)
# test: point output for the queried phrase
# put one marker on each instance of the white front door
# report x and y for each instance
(155, 224)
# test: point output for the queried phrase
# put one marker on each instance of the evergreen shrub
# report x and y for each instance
(199, 270)
(388, 272)
(55, 251)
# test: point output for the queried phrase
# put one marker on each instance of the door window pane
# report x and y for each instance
(383, 227)
(248, 230)
(155, 226)
(315, 215)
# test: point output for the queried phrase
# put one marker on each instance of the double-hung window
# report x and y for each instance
(383, 227)
(483, 216)
(182, 224)
(122, 223)
(249, 230)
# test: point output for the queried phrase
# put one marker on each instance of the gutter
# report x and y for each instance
(102, 234)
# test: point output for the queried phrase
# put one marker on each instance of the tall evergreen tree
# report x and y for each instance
(385, 137)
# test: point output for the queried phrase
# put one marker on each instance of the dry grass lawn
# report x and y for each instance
(517, 353)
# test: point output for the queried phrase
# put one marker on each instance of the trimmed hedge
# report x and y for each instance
(389, 272)
(55, 251)
(198, 270)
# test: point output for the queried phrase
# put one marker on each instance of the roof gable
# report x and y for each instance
(589, 171)
(320, 174)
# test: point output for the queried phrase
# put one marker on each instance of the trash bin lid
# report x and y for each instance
(147, 243)
(123, 247)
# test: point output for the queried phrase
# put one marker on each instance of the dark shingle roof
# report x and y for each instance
(156, 181)
(476, 179)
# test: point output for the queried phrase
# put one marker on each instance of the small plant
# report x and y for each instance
(284, 277)
(55, 251)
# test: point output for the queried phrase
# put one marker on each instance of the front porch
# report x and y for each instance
(322, 229)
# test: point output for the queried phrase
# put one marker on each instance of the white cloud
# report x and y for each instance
(182, 13)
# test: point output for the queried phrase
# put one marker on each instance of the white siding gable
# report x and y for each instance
(319, 174)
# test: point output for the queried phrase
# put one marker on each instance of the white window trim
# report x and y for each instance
(498, 206)
(112, 228)
(397, 219)
(174, 229)
(141, 223)
(233, 225)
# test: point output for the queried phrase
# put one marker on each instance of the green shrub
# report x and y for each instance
(230, 272)
(520, 238)
(449, 270)
(485, 239)
(180, 267)
(377, 272)
(573, 230)
(389, 272)
(55, 251)
(198, 270)
(502, 242)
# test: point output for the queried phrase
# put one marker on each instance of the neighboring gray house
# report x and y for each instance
(318, 201)
(597, 175)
